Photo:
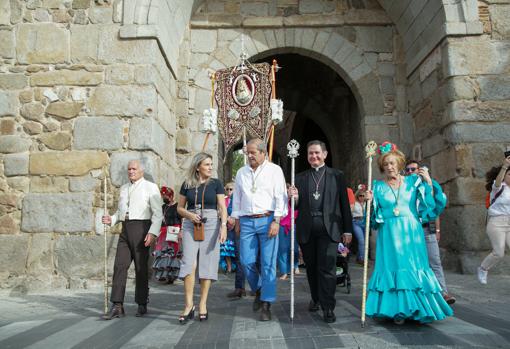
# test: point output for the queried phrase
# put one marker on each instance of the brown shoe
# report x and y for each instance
(237, 293)
(117, 311)
(256, 302)
(265, 313)
(449, 298)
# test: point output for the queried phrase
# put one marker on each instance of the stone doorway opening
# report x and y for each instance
(318, 104)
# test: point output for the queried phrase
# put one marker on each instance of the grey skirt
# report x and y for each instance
(205, 254)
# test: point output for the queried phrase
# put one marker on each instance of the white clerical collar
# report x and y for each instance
(319, 167)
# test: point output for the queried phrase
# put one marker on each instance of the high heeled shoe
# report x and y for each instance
(184, 318)
(203, 317)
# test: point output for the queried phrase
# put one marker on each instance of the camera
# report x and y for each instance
(507, 154)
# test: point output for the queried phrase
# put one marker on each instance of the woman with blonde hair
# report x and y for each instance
(201, 202)
(402, 285)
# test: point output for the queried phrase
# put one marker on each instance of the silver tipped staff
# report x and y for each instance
(105, 230)
(292, 147)
(370, 149)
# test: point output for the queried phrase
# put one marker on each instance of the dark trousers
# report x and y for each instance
(319, 254)
(131, 248)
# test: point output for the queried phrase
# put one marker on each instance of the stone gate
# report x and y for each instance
(86, 85)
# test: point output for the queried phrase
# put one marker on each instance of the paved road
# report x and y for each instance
(64, 319)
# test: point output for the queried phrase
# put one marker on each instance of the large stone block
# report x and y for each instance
(466, 191)
(491, 111)
(56, 140)
(372, 100)
(475, 57)
(375, 39)
(494, 87)
(464, 228)
(66, 110)
(9, 103)
(203, 41)
(32, 111)
(147, 134)
(119, 162)
(485, 156)
(5, 12)
(42, 43)
(101, 15)
(500, 24)
(67, 77)
(478, 132)
(84, 43)
(40, 254)
(13, 81)
(85, 183)
(61, 213)
(444, 165)
(120, 74)
(98, 133)
(7, 43)
(16, 164)
(13, 253)
(49, 184)
(111, 49)
(9, 224)
(76, 163)
(124, 101)
(90, 250)
(19, 183)
(14, 144)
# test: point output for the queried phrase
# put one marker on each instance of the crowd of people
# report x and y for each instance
(243, 227)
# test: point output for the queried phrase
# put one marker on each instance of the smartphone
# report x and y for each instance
(507, 154)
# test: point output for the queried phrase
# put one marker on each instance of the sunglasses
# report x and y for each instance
(411, 169)
(229, 189)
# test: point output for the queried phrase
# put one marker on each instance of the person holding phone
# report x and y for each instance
(201, 201)
(432, 236)
(498, 223)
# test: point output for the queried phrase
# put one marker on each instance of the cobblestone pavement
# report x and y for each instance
(64, 319)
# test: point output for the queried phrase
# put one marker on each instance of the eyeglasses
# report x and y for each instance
(411, 169)
(229, 189)
(362, 195)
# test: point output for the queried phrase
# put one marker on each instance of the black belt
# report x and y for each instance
(316, 214)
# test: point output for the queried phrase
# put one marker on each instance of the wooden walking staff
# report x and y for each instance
(105, 230)
(370, 149)
(273, 96)
(292, 147)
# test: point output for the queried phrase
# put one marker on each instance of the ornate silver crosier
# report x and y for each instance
(293, 147)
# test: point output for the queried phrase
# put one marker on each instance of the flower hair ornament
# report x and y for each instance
(362, 187)
(386, 147)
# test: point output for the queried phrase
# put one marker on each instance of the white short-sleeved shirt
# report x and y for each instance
(500, 207)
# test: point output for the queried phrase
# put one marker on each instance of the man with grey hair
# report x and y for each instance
(260, 201)
(141, 216)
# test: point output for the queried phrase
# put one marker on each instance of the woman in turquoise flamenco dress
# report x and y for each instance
(402, 286)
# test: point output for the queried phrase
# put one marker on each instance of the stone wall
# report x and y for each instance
(75, 100)
(355, 38)
(458, 99)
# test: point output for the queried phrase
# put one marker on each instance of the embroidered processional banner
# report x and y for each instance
(243, 98)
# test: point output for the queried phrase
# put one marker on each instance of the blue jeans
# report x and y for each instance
(435, 258)
(358, 226)
(240, 279)
(254, 237)
(284, 252)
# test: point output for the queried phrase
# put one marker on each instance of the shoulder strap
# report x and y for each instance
(203, 196)
(498, 194)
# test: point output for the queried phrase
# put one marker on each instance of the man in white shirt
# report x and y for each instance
(259, 203)
(141, 215)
